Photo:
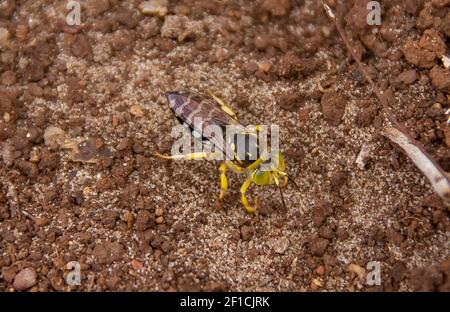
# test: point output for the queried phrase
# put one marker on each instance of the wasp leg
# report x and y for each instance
(225, 107)
(190, 156)
(223, 181)
(258, 128)
(244, 200)
(286, 181)
(235, 168)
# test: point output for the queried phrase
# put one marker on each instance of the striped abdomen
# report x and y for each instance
(191, 108)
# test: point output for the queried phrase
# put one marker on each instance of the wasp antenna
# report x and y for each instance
(281, 191)
(282, 198)
(295, 184)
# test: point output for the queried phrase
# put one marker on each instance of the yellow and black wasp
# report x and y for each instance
(213, 111)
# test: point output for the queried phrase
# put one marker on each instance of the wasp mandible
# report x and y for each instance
(213, 111)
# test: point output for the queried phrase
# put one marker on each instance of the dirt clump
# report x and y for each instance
(333, 107)
(25, 279)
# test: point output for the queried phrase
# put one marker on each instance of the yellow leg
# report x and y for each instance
(223, 181)
(224, 105)
(285, 181)
(244, 200)
(190, 156)
(235, 168)
(258, 128)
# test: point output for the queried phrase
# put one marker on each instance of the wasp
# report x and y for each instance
(260, 168)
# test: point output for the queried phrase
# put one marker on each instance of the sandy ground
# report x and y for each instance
(89, 190)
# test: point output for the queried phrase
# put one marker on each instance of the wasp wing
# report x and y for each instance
(201, 115)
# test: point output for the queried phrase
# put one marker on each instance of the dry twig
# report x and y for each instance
(438, 178)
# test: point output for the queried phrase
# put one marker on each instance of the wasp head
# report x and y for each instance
(270, 170)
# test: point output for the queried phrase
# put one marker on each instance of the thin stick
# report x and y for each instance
(29, 216)
(423, 160)
(437, 180)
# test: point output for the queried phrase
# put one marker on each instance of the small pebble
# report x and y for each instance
(87, 191)
(6, 117)
(265, 66)
(137, 265)
(320, 270)
(4, 36)
(8, 78)
(35, 90)
(316, 283)
(124, 144)
(446, 61)
(159, 212)
(261, 42)
(360, 271)
(407, 77)
(41, 221)
(53, 134)
(281, 245)
(35, 156)
(247, 232)
(25, 279)
(136, 110)
(154, 7)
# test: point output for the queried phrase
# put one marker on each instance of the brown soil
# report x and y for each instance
(82, 108)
